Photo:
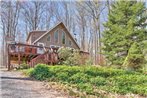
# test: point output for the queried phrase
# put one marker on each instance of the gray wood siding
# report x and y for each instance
(59, 43)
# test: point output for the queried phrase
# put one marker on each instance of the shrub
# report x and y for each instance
(62, 76)
(79, 78)
(86, 87)
(23, 66)
(64, 53)
(41, 72)
(97, 81)
(94, 79)
(140, 89)
(135, 57)
(72, 57)
(128, 80)
(88, 62)
(125, 83)
(104, 72)
(28, 72)
(72, 70)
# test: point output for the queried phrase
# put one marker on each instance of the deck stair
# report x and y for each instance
(45, 58)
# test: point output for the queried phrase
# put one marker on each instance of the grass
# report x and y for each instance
(91, 79)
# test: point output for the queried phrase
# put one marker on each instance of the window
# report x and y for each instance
(63, 38)
(41, 46)
(56, 36)
(49, 38)
(70, 42)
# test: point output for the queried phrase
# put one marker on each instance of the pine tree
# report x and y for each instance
(135, 57)
(125, 25)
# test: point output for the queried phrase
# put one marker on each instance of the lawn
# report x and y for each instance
(92, 80)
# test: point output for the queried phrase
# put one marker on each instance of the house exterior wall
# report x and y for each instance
(34, 35)
(60, 29)
(29, 40)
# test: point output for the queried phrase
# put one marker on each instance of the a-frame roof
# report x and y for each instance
(34, 31)
(60, 23)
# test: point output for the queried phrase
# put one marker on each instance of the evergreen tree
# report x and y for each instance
(135, 57)
(125, 25)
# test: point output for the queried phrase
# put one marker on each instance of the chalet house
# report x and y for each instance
(41, 47)
(58, 36)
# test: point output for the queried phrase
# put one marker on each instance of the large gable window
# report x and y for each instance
(56, 36)
(63, 38)
(70, 43)
(49, 38)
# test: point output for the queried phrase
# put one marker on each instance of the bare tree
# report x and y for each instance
(9, 17)
(65, 13)
(10, 12)
(48, 15)
(94, 9)
(33, 11)
(81, 21)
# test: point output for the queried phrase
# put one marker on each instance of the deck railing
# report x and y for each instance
(30, 53)
(46, 58)
(24, 48)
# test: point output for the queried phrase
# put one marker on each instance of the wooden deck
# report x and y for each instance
(31, 54)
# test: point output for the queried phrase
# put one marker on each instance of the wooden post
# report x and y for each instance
(19, 59)
(18, 55)
(51, 59)
(9, 58)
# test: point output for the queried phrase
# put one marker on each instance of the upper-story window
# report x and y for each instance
(63, 37)
(49, 38)
(56, 36)
(70, 43)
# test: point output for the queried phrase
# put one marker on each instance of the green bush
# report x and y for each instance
(23, 66)
(87, 79)
(72, 57)
(86, 87)
(89, 62)
(41, 72)
(135, 58)
(71, 70)
(79, 78)
(98, 81)
(64, 53)
(140, 89)
(125, 83)
(62, 76)
(105, 72)
(28, 72)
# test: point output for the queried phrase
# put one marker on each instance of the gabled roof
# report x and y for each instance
(34, 31)
(60, 23)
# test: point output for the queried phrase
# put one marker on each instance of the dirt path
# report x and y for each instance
(15, 85)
